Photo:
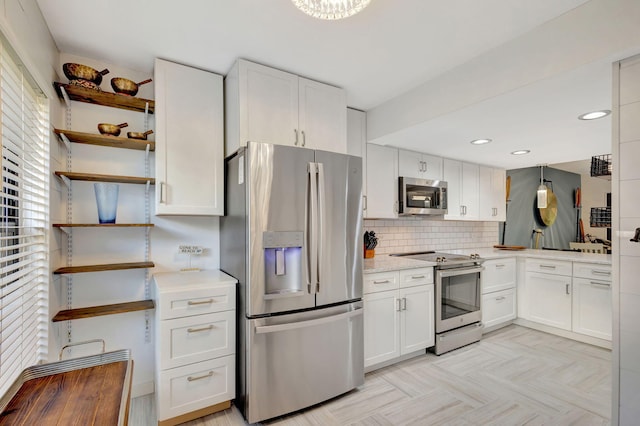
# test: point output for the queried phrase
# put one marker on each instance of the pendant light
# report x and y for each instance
(542, 190)
(331, 9)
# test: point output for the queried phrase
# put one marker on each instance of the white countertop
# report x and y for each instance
(382, 263)
(191, 280)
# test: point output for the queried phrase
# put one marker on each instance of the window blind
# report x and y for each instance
(24, 201)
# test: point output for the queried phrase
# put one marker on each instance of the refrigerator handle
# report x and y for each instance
(262, 329)
(321, 221)
(312, 227)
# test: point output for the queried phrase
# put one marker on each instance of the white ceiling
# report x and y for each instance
(385, 51)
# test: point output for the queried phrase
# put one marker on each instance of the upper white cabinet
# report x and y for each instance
(462, 186)
(189, 140)
(492, 194)
(420, 166)
(382, 182)
(357, 144)
(264, 104)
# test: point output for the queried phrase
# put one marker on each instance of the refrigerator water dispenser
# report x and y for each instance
(283, 264)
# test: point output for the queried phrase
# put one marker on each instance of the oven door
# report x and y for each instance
(458, 296)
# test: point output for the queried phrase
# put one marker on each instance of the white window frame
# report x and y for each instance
(24, 219)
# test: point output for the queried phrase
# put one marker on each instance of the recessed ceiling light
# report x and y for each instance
(480, 141)
(521, 152)
(594, 115)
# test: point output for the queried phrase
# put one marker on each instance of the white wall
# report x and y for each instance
(626, 255)
(418, 234)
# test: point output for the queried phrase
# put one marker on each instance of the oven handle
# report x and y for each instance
(459, 271)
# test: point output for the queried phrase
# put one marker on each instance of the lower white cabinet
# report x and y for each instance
(498, 307)
(195, 344)
(498, 292)
(398, 314)
(592, 309)
(549, 299)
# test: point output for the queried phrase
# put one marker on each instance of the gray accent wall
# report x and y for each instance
(522, 217)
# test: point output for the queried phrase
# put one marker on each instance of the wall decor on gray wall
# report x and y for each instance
(522, 212)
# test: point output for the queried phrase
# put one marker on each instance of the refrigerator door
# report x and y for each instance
(280, 185)
(340, 243)
(298, 360)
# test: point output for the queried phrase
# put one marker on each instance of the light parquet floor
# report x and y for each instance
(514, 376)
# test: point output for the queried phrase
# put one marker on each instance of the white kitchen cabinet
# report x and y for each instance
(195, 344)
(420, 166)
(398, 314)
(498, 292)
(263, 104)
(189, 141)
(382, 182)
(492, 192)
(549, 299)
(592, 308)
(417, 329)
(498, 308)
(357, 145)
(381, 327)
(462, 188)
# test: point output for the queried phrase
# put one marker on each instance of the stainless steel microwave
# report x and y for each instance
(422, 196)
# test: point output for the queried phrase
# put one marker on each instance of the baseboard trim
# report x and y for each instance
(564, 333)
(139, 389)
(395, 360)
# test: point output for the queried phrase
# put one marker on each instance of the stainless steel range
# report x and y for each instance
(458, 296)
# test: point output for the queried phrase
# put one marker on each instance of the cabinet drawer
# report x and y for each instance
(498, 274)
(180, 304)
(547, 266)
(498, 307)
(195, 386)
(419, 276)
(593, 271)
(194, 339)
(380, 281)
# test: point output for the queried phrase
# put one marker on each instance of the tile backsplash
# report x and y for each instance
(418, 234)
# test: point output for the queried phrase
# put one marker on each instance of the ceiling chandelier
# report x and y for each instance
(331, 9)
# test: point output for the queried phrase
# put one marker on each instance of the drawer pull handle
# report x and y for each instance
(500, 299)
(600, 284)
(381, 282)
(597, 272)
(195, 330)
(417, 277)
(193, 379)
(500, 265)
(202, 302)
(548, 266)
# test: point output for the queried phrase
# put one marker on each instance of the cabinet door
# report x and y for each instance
(592, 308)
(381, 325)
(189, 140)
(492, 194)
(549, 299)
(470, 188)
(498, 274)
(498, 307)
(432, 167)
(452, 174)
(382, 182)
(268, 105)
(357, 144)
(410, 164)
(322, 116)
(417, 319)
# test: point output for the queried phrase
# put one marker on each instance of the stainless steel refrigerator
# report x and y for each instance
(292, 236)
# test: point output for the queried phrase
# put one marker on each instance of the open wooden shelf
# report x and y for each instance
(105, 140)
(94, 311)
(116, 100)
(105, 178)
(103, 225)
(103, 267)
